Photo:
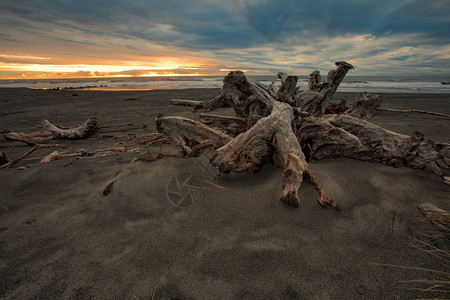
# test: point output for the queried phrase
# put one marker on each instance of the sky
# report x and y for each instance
(89, 38)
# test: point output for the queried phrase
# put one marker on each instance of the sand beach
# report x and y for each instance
(63, 236)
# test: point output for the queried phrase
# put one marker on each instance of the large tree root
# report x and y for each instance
(270, 137)
(285, 127)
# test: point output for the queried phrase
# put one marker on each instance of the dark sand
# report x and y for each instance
(61, 238)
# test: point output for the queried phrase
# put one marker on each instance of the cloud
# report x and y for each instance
(261, 35)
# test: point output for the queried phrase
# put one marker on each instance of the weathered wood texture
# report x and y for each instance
(314, 100)
(50, 131)
(231, 125)
(287, 128)
(188, 133)
(345, 136)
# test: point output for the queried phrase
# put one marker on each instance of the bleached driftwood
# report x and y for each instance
(288, 133)
(314, 100)
(84, 130)
(50, 131)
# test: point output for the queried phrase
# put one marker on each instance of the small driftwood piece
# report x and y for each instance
(29, 138)
(186, 102)
(50, 131)
(55, 155)
(84, 130)
(413, 111)
(437, 216)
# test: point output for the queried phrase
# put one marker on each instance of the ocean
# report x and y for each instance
(370, 84)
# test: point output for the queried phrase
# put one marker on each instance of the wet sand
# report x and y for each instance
(61, 237)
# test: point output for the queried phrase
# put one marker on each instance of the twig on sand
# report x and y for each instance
(154, 292)
(123, 125)
(11, 163)
(219, 186)
(57, 155)
(413, 268)
(413, 110)
(9, 212)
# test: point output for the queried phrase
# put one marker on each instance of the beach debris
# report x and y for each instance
(82, 153)
(50, 131)
(437, 216)
(131, 99)
(288, 128)
(185, 102)
(55, 155)
(108, 189)
(413, 111)
(446, 179)
(154, 139)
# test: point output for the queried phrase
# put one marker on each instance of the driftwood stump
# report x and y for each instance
(287, 128)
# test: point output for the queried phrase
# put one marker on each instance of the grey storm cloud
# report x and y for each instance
(223, 27)
(234, 24)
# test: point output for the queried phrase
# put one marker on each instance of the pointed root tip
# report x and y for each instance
(327, 201)
(344, 64)
(290, 198)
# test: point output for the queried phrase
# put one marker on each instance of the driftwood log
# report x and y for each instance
(287, 128)
(185, 102)
(50, 131)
